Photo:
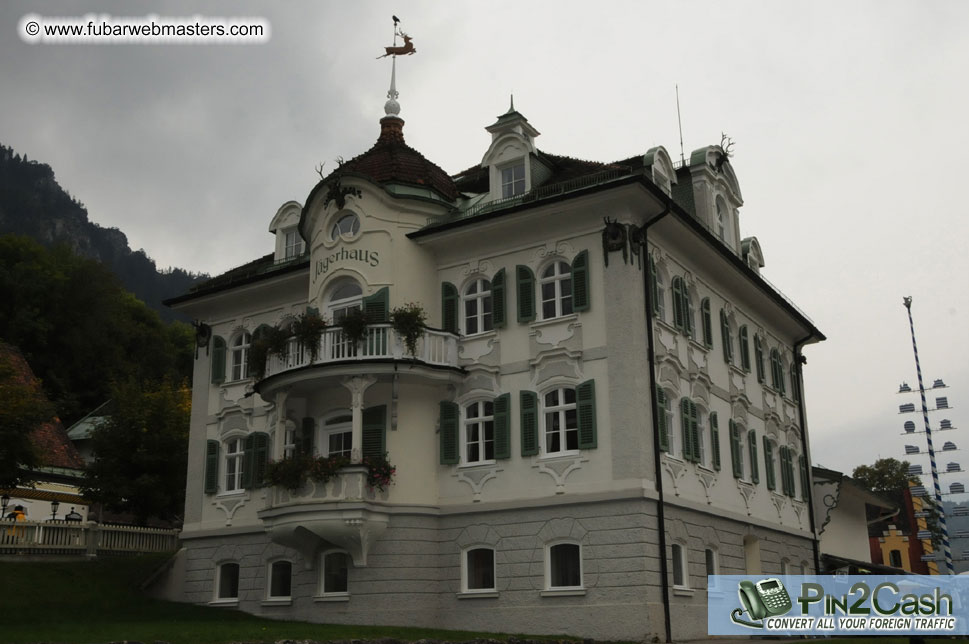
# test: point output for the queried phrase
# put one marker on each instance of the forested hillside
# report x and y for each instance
(33, 204)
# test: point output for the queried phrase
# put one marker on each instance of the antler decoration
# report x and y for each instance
(726, 143)
(319, 170)
(613, 239)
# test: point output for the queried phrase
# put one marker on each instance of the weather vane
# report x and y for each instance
(399, 50)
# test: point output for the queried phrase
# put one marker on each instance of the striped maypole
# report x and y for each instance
(946, 548)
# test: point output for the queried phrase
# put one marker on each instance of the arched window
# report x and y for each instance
(240, 355)
(776, 371)
(707, 322)
(744, 349)
(346, 226)
(721, 219)
(667, 431)
(682, 311)
(345, 296)
(759, 357)
(479, 432)
(738, 437)
(227, 582)
(726, 338)
(678, 555)
(555, 286)
(478, 570)
(234, 463)
(770, 474)
(478, 307)
(280, 580)
(564, 566)
(561, 430)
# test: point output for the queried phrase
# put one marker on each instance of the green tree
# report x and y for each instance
(23, 407)
(889, 478)
(141, 451)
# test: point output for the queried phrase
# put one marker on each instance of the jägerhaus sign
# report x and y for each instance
(364, 256)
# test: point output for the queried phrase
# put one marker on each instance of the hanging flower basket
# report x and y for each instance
(380, 473)
(408, 321)
(354, 325)
(308, 328)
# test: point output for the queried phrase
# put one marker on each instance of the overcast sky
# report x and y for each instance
(850, 123)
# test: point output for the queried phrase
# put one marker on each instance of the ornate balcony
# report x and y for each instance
(436, 353)
(319, 515)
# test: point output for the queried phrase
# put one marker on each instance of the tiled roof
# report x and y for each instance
(390, 160)
(54, 448)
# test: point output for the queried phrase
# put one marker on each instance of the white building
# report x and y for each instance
(537, 489)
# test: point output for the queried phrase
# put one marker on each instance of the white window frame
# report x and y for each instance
(481, 420)
(482, 298)
(673, 426)
(548, 566)
(353, 227)
(679, 559)
(239, 355)
(218, 582)
(289, 438)
(562, 304)
(465, 576)
(330, 425)
(513, 186)
(292, 244)
(721, 219)
(238, 459)
(561, 410)
(333, 594)
(743, 452)
(701, 433)
(335, 307)
(271, 578)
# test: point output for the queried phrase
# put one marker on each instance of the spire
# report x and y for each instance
(512, 107)
(392, 107)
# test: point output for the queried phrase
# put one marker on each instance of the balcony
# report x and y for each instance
(338, 513)
(436, 356)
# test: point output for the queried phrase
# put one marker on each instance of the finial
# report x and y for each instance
(512, 107)
(392, 107)
(907, 301)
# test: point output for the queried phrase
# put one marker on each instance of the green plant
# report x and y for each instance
(308, 328)
(257, 356)
(290, 472)
(380, 473)
(354, 325)
(277, 340)
(408, 321)
(324, 468)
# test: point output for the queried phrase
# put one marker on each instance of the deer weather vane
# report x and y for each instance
(399, 50)
(726, 143)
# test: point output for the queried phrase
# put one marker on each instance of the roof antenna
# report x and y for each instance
(679, 120)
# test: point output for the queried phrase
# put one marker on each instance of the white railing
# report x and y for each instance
(85, 538)
(438, 348)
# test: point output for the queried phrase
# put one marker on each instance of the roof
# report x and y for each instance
(258, 269)
(563, 168)
(390, 160)
(83, 428)
(54, 448)
(853, 485)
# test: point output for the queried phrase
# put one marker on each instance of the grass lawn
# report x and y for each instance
(99, 601)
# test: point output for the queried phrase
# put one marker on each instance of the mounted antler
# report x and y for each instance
(319, 170)
(726, 145)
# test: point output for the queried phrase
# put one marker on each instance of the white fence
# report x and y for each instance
(83, 538)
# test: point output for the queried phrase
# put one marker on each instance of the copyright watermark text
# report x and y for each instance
(93, 29)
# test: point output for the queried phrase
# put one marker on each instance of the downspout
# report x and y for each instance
(799, 360)
(651, 353)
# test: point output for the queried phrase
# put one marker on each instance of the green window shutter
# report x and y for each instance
(759, 358)
(725, 337)
(260, 458)
(735, 453)
(498, 299)
(795, 382)
(585, 397)
(525, 280)
(449, 433)
(714, 441)
(707, 322)
(312, 310)
(449, 307)
(653, 285)
(744, 349)
(664, 438)
(769, 464)
(754, 465)
(581, 297)
(502, 421)
(218, 360)
(805, 482)
(790, 472)
(679, 314)
(685, 424)
(528, 402)
(307, 432)
(211, 467)
(374, 432)
(695, 431)
(785, 478)
(248, 454)
(377, 306)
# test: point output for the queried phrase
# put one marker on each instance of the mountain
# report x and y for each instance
(33, 204)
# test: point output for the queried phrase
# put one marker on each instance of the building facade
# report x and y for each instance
(605, 405)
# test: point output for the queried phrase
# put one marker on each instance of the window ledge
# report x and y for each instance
(571, 317)
(683, 591)
(333, 597)
(572, 453)
(705, 468)
(223, 495)
(225, 603)
(480, 335)
(564, 592)
(482, 464)
(278, 601)
(738, 369)
(477, 594)
(696, 344)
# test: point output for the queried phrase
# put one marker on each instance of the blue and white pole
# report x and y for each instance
(946, 548)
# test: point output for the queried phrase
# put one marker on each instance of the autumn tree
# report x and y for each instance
(23, 407)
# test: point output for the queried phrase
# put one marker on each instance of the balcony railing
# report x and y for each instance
(380, 342)
(82, 538)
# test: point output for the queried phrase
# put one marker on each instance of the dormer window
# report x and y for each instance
(721, 220)
(513, 180)
(293, 245)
